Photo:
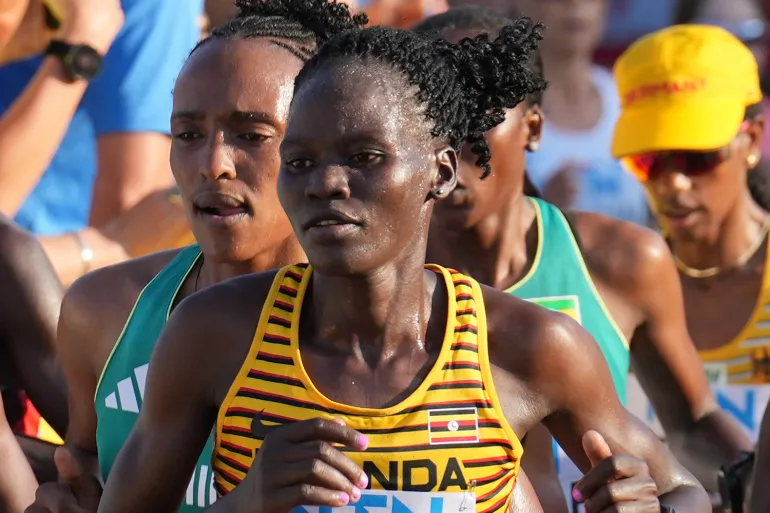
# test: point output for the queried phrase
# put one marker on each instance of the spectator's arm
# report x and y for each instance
(11, 14)
(33, 127)
(130, 103)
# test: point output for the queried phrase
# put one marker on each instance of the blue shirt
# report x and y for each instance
(132, 94)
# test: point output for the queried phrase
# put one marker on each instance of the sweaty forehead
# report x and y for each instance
(238, 74)
(353, 97)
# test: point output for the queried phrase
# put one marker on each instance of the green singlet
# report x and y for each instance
(121, 387)
(559, 280)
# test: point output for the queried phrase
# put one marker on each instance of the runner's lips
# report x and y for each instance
(330, 218)
(220, 205)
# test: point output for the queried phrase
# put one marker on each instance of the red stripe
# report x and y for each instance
(286, 288)
(273, 355)
(230, 427)
(284, 304)
(294, 275)
(467, 311)
(496, 490)
(465, 326)
(459, 382)
(496, 506)
(241, 409)
(453, 439)
(460, 423)
(502, 459)
(463, 282)
(455, 404)
(233, 447)
(240, 467)
(225, 473)
(463, 345)
(491, 479)
(279, 319)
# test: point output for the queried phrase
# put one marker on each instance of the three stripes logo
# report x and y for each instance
(129, 397)
(452, 426)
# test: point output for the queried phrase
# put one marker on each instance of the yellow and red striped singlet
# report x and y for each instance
(449, 437)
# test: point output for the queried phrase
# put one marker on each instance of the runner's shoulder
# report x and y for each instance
(620, 253)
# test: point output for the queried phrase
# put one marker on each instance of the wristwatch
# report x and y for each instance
(81, 62)
(666, 509)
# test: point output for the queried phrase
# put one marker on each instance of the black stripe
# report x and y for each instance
(428, 447)
(284, 380)
(454, 412)
(465, 346)
(467, 329)
(283, 360)
(460, 366)
(293, 276)
(227, 478)
(455, 386)
(253, 394)
(226, 430)
(237, 450)
(285, 308)
(270, 339)
(286, 323)
(445, 429)
(464, 297)
(503, 483)
(234, 464)
(286, 291)
(218, 487)
(492, 463)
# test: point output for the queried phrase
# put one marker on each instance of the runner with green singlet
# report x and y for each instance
(225, 160)
(617, 279)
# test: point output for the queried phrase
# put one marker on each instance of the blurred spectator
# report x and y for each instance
(75, 155)
(17, 483)
(218, 11)
(573, 166)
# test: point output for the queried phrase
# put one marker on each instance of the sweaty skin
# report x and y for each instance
(374, 319)
(214, 91)
(488, 230)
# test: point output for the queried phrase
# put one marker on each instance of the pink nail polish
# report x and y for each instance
(356, 494)
(363, 441)
(364, 481)
(344, 498)
(577, 495)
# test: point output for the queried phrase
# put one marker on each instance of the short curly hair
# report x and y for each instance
(465, 87)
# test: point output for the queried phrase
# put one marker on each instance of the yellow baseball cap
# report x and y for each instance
(685, 87)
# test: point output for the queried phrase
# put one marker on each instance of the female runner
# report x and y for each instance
(370, 378)
(227, 125)
(616, 278)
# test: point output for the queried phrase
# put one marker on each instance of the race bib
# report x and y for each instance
(381, 501)
(716, 373)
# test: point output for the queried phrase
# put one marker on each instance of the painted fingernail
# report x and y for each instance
(344, 498)
(363, 441)
(577, 495)
(363, 481)
(356, 494)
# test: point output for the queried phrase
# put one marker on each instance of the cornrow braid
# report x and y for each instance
(299, 26)
(465, 87)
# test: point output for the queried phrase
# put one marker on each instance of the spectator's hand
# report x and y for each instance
(93, 22)
(76, 491)
(156, 223)
(24, 32)
(564, 186)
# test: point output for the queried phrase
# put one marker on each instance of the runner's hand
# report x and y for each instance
(93, 22)
(615, 483)
(298, 465)
(76, 491)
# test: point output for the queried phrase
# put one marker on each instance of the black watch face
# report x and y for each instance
(84, 62)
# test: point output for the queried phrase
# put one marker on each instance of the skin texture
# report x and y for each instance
(487, 230)
(17, 482)
(760, 497)
(340, 154)
(217, 151)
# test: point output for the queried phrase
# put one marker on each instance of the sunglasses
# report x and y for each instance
(649, 166)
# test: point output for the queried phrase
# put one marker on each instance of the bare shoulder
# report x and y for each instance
(96, 307)
(532, 343)
(619, 253)
(209, 333)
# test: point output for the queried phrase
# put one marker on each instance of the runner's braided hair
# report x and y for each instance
(299, 26)
(474, 18)
(464, 87)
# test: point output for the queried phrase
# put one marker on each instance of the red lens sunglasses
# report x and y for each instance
(649, 166)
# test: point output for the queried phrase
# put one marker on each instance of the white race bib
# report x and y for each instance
(380, 501)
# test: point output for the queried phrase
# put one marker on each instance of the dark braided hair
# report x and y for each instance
(465, 87)
(475, 18)
(299, 26)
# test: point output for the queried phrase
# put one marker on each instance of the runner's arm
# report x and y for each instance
(702, 435)
(30, 301)
(567, 368)
(760, 495)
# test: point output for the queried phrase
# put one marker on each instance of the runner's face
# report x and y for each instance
(694, 206)
(358, 153)
(227, 125)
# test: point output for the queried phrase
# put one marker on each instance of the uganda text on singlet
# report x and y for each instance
(445, 448)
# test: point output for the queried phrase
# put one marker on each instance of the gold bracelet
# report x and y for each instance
(86, 253)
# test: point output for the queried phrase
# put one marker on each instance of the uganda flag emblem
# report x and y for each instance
(569, 305)
(453, 426)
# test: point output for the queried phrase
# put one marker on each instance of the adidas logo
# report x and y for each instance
(129, 395)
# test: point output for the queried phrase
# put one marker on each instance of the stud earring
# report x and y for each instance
(752, 160)
(533, 146)
(439, 193)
